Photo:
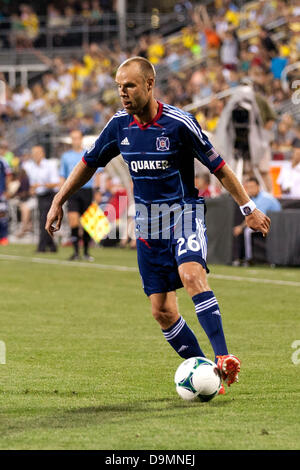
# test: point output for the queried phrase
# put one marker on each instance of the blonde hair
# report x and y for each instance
(145, 65)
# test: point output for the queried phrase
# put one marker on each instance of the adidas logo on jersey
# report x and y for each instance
(125, 141)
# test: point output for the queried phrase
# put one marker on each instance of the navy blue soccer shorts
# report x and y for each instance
(158, 259)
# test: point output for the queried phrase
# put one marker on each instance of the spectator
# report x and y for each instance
(183, 7)
(263, 200)
(205, 25)
(30, 22)
(289, 177)
(59, 81)
(54, 17)
(79, 72)
(21, 98)
(266, 12)
(38, 103)
(141, 47)
(229, 50)
(92, 57)
(85, 10)
(268, 118)
(156, 49)
(96, 12)
(22, 202)
(64, 78)
(6, 154)
(17, 31)
(44, 181)
(242, 235)
(202, 183)
(284, 136)
(267, 42)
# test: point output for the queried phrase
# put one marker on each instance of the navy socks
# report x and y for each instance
(183, 340)
(209, 316)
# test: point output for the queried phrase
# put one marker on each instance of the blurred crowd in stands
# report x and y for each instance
(223, 46)
(26, 24)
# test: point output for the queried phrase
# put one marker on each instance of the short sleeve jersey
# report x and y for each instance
(159, 154)
(69, 160)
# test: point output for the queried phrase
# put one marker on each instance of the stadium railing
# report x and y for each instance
(53, 40)
(22, 73)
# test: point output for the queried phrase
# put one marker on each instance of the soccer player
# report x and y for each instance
(159, 143)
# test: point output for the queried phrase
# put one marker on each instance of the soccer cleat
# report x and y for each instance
(74, 257)
(4, 241)
(88, 258)
(230, 366)
(222, 390)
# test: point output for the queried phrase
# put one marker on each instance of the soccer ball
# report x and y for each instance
(197, 377)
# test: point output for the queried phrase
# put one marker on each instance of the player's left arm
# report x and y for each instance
(257, 220)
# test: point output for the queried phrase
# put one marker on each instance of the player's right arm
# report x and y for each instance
(103, 150)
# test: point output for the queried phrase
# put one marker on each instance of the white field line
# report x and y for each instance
(255, 279)
(114, 267)
(79, 264)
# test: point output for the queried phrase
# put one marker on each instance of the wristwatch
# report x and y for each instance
(248, 208)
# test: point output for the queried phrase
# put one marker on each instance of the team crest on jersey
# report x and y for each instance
(162, 143)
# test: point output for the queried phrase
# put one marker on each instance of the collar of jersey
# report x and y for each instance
(153, 121)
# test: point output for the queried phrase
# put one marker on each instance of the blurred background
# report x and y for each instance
(234, 64)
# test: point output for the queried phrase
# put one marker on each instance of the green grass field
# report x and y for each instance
(88, 368)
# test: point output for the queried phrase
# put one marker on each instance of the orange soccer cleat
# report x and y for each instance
(222, 390)
(229, 366)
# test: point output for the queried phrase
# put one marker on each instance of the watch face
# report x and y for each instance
(247, 210)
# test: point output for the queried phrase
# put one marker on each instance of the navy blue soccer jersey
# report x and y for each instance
(170, 222)
(159, 154)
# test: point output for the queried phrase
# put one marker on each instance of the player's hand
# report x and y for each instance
(258, 222)
(55, 214)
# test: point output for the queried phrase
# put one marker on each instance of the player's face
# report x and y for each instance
(134, 88)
